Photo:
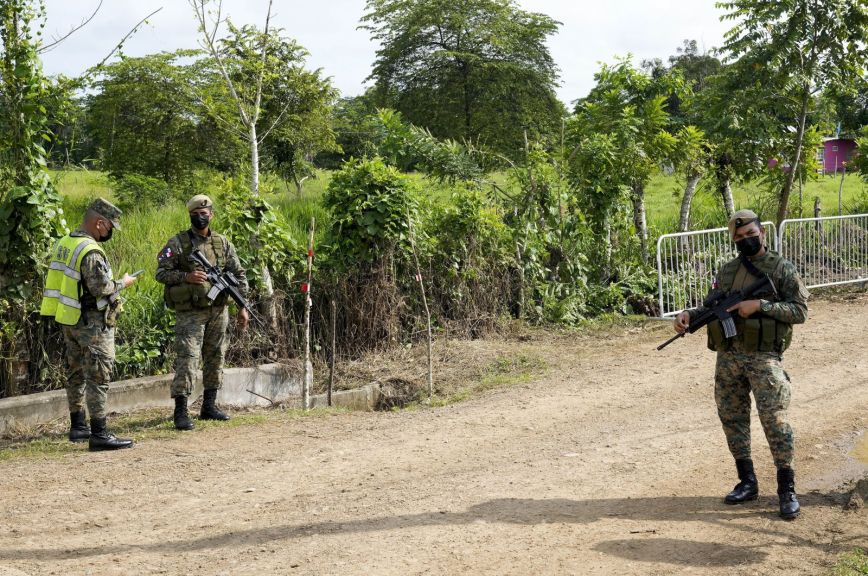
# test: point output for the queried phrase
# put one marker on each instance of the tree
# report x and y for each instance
(145, 117)
(30, 207)
(696, 68)
(355, 125)
(243, 62)
(693, 158)
(297, 104)
(802, 46)
(469, 70)
(629, 105)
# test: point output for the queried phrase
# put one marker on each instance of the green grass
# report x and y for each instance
(663, 200)
(143, 426)
(853, 563)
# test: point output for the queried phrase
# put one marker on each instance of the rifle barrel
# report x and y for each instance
(671, 340)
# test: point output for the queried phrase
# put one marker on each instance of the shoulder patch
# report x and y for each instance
(166, 253)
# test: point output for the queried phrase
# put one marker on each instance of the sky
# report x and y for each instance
(592, 31)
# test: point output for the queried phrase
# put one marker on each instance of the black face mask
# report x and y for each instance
(749, 246)
(107, 237)
(199, 221)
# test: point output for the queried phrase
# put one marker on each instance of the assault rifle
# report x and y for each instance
(716, 305)
(221, 281)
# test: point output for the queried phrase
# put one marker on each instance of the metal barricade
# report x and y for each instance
(827, 251)
(688, 261)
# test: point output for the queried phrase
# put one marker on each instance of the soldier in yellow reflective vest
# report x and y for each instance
(81, 295)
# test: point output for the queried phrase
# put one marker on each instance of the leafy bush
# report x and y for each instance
(139, 190)
(260, 239)
(471, 258)
(370, 203)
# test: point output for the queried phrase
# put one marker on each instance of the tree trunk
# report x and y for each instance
(783, 202)
(607, 252)
(639, 220)
(725, 189)
(689, 191)
(254, 159)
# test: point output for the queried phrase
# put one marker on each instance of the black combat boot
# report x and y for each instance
(100, 439)
(747, 488)
(78, 430)
(182, 419)
(209, 409)
(787, 494)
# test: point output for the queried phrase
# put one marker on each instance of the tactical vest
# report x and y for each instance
(757, 333)
(185, 296)
(61, 298)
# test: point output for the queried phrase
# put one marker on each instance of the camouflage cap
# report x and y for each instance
(199, 201)
(741, 218)
(107, 210)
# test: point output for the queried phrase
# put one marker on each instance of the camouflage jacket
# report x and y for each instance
(173, 265)
(790, 306)
(96, 277)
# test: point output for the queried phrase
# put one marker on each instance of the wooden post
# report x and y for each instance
(421, 282)
(332, 359)
(308, 303)
(520, 281)
(841, 190)
(817, 213)
(801, 194)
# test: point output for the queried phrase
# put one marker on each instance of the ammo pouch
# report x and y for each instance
(183, 297)
(716, 340)
(757, 334)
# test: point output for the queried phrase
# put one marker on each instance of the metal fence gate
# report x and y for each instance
(826, 251)
(688, 261)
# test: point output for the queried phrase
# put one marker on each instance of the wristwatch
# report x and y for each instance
(766, 305)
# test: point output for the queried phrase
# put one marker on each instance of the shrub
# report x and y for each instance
(370, 203)
(133, 190)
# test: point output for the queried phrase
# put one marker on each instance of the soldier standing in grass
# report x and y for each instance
(751, 361)
(200, 326)
(81, 295)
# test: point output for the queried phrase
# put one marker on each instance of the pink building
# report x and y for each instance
(834, 153)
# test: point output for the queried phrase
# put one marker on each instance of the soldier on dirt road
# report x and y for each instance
(200, 326)
(751, 361)
(81, 295)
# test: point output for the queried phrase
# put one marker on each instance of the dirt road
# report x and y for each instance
(611, 463)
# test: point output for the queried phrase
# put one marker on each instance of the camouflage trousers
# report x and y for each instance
(199, 333)
(737, 374)
(90, 358)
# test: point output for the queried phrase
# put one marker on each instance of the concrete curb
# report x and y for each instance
(365, 398)
(276, 382)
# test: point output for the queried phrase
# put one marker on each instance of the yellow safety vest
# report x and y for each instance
(62, 285)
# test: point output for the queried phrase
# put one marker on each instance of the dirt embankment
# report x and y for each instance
(613, 462)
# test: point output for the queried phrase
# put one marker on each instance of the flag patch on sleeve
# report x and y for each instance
(166, 253)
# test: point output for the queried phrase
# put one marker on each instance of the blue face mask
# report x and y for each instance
(749, 246)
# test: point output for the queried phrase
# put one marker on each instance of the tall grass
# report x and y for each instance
(663, 200)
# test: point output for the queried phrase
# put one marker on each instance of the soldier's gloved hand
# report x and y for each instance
(127, 280)
(196, 277)
(242, 319)
(682, 322)
(746, 308)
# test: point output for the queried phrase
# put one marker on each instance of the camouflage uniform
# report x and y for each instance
(200, 330)
(745, 364)
(90, 344)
